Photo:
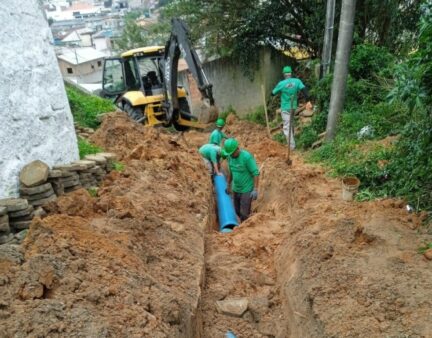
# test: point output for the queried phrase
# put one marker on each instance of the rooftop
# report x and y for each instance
(81, 55)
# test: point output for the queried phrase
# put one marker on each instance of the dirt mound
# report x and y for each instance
(126, 263)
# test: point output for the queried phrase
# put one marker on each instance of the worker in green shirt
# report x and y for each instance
(211, 155)
(289, 89)
(217, 135)
(243, 177)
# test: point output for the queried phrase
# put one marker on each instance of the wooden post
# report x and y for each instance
(265, 110)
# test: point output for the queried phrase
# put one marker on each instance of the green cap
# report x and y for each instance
(286, 70)
(220, 122)
(230, 146)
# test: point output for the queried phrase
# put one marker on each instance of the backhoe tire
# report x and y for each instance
(184, 106)
(135, 113)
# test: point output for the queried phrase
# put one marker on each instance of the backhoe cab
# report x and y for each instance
(143, 82)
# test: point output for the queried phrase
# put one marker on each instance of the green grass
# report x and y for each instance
(118, 166)
(424, 248)
(87, 148)
(85, 108)
(92, 192)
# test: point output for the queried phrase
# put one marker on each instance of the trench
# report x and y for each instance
(240, 265)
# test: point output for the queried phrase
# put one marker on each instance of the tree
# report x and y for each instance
(328, 38)
(133, 36)
(346, 28)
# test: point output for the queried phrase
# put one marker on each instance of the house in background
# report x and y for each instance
(81, 65)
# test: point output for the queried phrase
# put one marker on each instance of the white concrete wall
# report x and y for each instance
(35, 118)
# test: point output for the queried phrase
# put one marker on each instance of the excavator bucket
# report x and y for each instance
(208, 113)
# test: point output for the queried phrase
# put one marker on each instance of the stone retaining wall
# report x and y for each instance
(40, 185)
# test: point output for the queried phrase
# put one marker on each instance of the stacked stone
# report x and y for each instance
(35, 187)
(83, 132)
(99, 170)
(85, 172)
(110, 158)
(5, 235)
(19, 213)
(66, 175)
(55, 177)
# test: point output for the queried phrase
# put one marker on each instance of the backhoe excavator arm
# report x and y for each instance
(178, 44)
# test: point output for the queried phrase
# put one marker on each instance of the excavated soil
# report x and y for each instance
(144, 258)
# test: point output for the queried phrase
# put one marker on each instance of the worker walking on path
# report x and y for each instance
(289, 89)
(243, 177)
(212, 155)
(217, 135)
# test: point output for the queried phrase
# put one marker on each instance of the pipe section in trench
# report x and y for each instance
(226, 213)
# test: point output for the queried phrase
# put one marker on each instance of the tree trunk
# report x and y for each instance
(328, 38)
(340, 74)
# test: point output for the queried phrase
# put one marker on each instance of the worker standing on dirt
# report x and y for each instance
(212, 155)
(289, 89)
(217, 135)
(243, 177)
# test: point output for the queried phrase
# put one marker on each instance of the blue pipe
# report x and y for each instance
(226, 212)
(229, 334)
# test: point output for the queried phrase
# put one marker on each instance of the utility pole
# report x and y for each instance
(340, 74)
(328, 38)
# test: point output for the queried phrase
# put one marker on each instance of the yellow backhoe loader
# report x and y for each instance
(143, 82)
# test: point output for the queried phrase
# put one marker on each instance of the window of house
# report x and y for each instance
(99, 63)
(70, 70)
(92, 67)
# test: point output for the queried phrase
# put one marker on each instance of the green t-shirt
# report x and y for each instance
(216, 137)
(243, 170)
(289, 88)
(210, 152)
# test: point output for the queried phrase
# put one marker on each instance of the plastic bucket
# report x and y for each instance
(349, 187)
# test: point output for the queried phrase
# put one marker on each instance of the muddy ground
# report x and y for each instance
(144, 258)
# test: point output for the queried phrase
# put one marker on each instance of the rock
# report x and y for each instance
(43, 201)
(58, 187)
(34, 173)
(84, 164)
(21, 213)
(21, 235)
(108, 156)
(428, 254)
(14, 204)
(232, 307)
(35, 190)
(22, 218)
(20, 225)
(40, 196)
(31, 290)
(70, 184)
(3, 211)
(39, 212)
(4, 224)
(100, 160)
(55, 173)
(6, 238)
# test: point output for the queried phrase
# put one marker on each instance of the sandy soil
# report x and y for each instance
(144, 258)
